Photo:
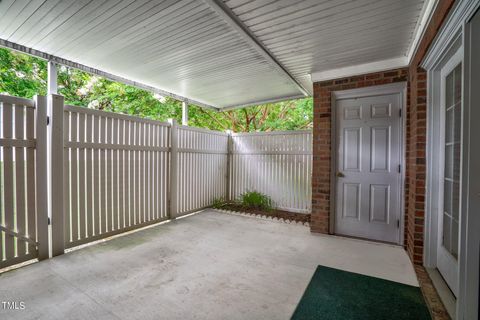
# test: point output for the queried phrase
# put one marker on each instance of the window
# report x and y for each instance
(451, 183)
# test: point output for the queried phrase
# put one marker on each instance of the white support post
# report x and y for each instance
(52, 86)
(56, 173)
(173, 190)
(184, 113)
(229, 164)
(51, 89)
(41, 165)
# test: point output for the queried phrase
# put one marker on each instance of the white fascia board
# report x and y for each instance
(423, 21)
(68, 63)
(360, 69)
(260, 102)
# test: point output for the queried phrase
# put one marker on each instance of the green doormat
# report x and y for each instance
(341, 295)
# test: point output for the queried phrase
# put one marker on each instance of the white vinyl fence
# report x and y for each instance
(23, 185)
(278, 164)
(122, 172)
(116, 173)
(202, 168)
(110, 173)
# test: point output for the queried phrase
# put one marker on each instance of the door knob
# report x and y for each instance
(340, 175)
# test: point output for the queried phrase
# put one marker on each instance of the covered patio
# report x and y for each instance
(210, 265)
(387, 175)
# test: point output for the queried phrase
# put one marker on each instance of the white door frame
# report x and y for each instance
(449, 39)
(438, 163)
(380, 90)
(469, 274)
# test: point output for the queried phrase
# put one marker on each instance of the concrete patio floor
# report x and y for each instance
(207, 266)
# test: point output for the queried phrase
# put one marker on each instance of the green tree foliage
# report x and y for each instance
(24, 76)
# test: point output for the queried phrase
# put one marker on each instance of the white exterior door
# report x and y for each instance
(368, 195)
(450, 171)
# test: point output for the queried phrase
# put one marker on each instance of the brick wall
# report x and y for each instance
(416, 161)
(322, 115)
(415, 135)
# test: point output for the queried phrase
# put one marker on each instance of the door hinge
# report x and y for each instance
(48, 120)
(48, 221)
(400, 112)
(398, 223)
(399, 168)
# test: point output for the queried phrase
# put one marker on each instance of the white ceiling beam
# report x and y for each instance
(57, 60)
(360, 69)
(233, 21)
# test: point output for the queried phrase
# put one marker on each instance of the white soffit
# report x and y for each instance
(332, 39)
(184, 47)
(221, 53)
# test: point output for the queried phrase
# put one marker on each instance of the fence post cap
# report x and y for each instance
(55, 96)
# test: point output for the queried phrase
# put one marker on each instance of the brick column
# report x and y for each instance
(416, 165)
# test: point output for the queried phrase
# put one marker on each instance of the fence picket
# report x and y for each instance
(96, 177)
(20, 206)
(121, 176)
(103, 178)
(129, 134)
(67, 179)
(74, 176)
(109, 178)
(114, 185)
(30, 230)
(89, 217)
(151, 174)
(81, 178)
(142, 174)
(132, 181)
(8, 181)
(138, 205)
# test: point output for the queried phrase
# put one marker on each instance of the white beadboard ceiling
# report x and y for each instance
(220, 53)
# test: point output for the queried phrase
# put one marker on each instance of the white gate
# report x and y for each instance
(23, 180)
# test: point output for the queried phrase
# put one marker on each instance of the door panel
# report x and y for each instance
(380, 157)
(351, 200)
(352, 149)
(369, 154)
(379, 203)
